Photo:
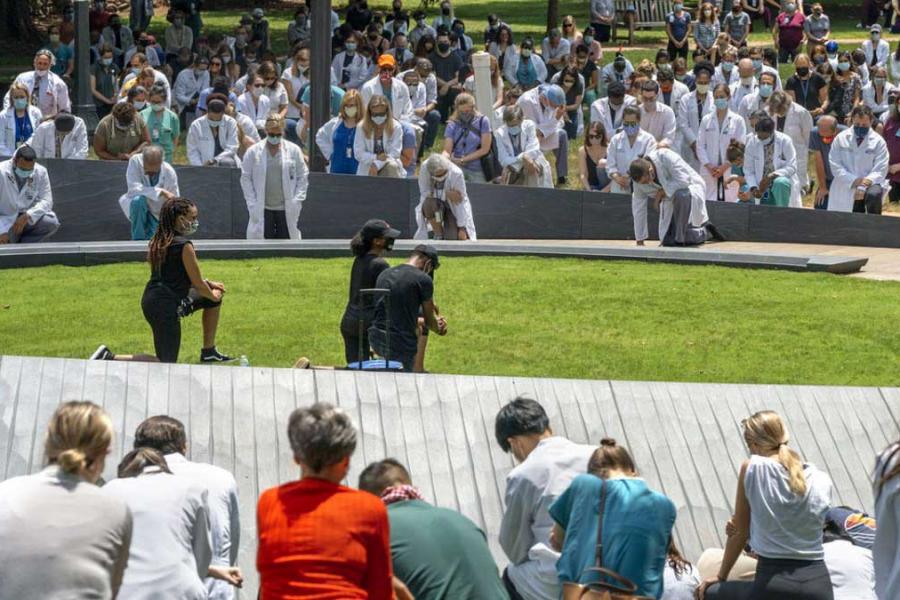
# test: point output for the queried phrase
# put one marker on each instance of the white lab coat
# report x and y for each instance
(798, 124)
(720, 77)
(8, 128)
(611, 119)
(660, 123)
(881, 55)
(35, 197)
(750, 104)
(139, 185)
(688, 121)
(188, 85)
(679, 91)
(200, 144)
(364, 148)
(784, 159)
(462, 212)
(401, 107)
(511, 66)
(418, 98)
(529, 147)
(294, 181)
(868, 97)
(358, 70)
(256, 112)
(74, 145)
(712, 145)
(850, 162)
(248, 127)
(738, 91)
(674, 174)
(52, 86)
(325, 137)
(544, 118)
(621, 153)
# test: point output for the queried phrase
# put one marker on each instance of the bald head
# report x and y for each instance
(745, 67)
(153, 158)
(827, 126)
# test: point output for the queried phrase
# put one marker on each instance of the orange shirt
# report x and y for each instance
(320, 540)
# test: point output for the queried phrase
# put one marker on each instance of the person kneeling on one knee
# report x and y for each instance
(770, 164)
(859, 163)
(443, 201)
(26, 201)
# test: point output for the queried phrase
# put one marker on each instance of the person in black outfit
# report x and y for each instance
(368, 246)
(411, 288)
(176, 289)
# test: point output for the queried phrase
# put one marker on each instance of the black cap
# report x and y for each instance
(376, 228)
(429, 251)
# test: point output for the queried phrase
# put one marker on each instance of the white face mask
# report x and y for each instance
(41, 72)
(139, 104)
(350, 112)
(256, 92)
(379, 120)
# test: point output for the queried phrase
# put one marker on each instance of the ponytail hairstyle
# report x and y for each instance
(79, 433)
(167, 230)
(610, 456)
(360, 245)
(768, 433)
(889, 473)
(134, 463)
(735, 151)
(680, 565)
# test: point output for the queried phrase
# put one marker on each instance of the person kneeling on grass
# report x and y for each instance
(443, 201)
(151, 181)
(679, 192)
(411, 287)
(176, 288)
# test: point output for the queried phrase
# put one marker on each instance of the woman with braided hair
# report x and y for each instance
(176, 289)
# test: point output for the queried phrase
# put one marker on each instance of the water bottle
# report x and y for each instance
(244, 362)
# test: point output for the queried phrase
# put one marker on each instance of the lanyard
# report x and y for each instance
(804, 85)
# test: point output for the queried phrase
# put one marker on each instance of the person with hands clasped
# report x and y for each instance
(176, 288)
(26, 201)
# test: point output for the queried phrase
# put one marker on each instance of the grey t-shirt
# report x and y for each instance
(736, 25)
(817, 27)
(602, 8)
(274, 188)
(817, 145)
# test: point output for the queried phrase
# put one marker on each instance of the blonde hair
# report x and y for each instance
(20, 87)
(79, 433)
(768, 432)
(463, 99)
(353, 97)
(368, 125)
(274, 118)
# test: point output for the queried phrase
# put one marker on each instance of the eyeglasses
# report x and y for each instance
(216, 64)
(567, 24)
(269, 81)
(595, 137)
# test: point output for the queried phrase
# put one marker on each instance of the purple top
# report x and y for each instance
(467, 139)
(890, 133)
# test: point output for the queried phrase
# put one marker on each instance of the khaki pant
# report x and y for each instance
(392, 169)
(523, 177)
(432, 207)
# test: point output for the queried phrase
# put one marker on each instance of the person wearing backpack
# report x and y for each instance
(468, 138)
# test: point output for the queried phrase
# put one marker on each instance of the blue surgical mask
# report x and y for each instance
(193, 227)
(588, 40)
(721, 103)
(350, 47)
(24, 173)
(757, 64)
(765, 90)
(514, 130)
(379, 120)
(20, 103)
(273, 140)
(843, 66)
(727, 65)
(860, 131)
(631, 130)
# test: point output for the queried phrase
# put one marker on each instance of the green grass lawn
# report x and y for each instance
(507, 316)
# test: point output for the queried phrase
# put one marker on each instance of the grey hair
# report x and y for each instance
(512, 114)
(437, 162)
(158, 89)
(321, 435)
(48, 54)
(152, 153)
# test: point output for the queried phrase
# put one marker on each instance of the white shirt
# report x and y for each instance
(659, 123)
(681, 587)
(783, 524)
(851, 569)
(224, 516)
(531, 488)
(170, 545)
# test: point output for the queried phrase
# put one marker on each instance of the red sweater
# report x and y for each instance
(319, 540)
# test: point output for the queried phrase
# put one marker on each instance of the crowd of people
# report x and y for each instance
(577, 519)
(738, 133)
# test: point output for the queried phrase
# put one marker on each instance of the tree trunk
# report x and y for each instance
(552, 14)
(17, 26)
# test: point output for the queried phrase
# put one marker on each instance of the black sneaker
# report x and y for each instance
(212, 355)
(560, 181)
(102, 353)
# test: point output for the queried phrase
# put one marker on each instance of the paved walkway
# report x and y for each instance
(884, 263)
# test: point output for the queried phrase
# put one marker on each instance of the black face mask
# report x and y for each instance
(802, 71)
(443, 46)
(388, 244)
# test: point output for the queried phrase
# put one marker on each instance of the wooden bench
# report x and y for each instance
(640, 14)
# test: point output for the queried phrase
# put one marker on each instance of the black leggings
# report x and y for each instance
(781, 579)
(160, 307)
(350, 333)
(275, 223)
